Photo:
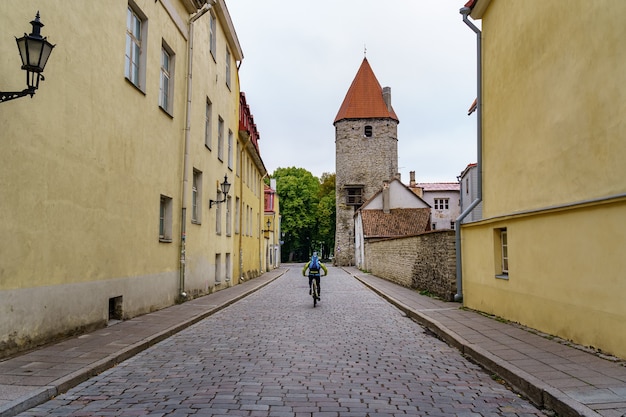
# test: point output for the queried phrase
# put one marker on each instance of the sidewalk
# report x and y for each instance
(553, 375)
(33, 378)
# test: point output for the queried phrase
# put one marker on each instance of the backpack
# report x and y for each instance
(314, 265)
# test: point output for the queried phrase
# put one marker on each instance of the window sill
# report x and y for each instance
(199, 223)
(165, 240)
(138, 88)
(503, 276)
(167, 112)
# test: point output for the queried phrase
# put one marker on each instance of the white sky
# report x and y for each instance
(300, 58)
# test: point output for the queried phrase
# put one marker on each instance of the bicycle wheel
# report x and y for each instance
(314, 292)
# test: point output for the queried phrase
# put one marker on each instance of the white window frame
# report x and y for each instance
(166, 79)
(208, 124)
(165, 219)
(136, 39)
(218, 214)
(212, 35)
(220, 138)
(442, 203)
(229, 210)
(218, 268)
(196, 197)
(228, 71)
(230, 149)
(504, 250)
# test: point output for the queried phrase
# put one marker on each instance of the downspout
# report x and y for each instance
(465, 11)
(183, 232)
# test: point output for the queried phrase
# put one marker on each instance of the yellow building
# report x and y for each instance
(249, 199)
(109, 174)
(271, 230)
(551, 111)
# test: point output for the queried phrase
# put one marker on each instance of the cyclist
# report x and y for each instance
(314, 266)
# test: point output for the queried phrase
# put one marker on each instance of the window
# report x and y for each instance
(238, 156)
(228, 216)
(134, 62)
(218, 214)
(505, 251)
(501, 249)
(207, 123)
(368, 131)
(165, 219)
(196, 197)
(220, 138)
(228, 68)
(167, 80)
(354, 195)
(237, 215)
(441, 203)
(227, 267)
(212, 35)
(230, 149)
(452, 225)
(218, 268)
(434, 226)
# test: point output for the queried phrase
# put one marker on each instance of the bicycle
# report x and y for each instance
(314, 292)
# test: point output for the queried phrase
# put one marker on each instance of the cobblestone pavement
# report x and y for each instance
(273, 354)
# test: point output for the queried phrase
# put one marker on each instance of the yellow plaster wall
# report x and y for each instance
(553, 103)
(565, 273)
(87, 158)
(554, 77)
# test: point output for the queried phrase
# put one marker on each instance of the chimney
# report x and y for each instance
(412, 179)
(387, 97)
(386, 202)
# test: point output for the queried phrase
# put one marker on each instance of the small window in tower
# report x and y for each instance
(368, 131)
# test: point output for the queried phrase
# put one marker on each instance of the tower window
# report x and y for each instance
(354, 195)
(368, 131)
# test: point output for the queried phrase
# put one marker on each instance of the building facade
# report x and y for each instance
(112, 174)
(548, 252)
(271, 229)
(443, 198)
(366, 153)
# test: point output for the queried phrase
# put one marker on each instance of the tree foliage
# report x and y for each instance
(307, 210)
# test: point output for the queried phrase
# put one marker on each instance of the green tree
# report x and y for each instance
(307, 209)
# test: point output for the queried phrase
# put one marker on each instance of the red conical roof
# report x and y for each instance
(364, 99)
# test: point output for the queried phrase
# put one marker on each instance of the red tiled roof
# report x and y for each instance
(365, 97)
(398, 222)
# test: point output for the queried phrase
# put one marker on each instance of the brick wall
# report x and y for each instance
(425, 262)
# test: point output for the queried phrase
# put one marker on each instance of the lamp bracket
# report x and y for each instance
(12, 95)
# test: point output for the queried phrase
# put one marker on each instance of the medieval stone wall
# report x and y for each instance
(425, 262)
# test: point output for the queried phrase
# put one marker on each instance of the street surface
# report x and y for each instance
(273, 354)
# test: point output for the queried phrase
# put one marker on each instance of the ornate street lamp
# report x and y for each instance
(34, 51)
(266, 232)
(225, 186)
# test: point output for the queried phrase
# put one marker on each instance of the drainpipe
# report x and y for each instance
(183, 232)
(465, 11)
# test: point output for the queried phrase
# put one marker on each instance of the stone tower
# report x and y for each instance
(366, 153)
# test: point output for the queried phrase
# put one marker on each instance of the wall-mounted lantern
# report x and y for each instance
(225, 186)
(34, 51)
(266, 232)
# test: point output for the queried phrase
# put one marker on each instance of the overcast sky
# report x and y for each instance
(300, 58)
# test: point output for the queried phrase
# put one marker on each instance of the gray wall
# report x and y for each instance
(424, 262)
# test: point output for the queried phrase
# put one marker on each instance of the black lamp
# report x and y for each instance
(34, 51)
(225, 186)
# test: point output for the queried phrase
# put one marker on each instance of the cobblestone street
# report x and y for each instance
(273, 354)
